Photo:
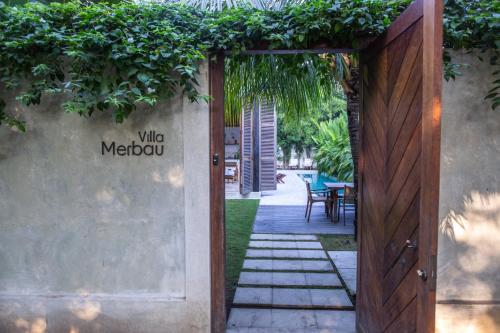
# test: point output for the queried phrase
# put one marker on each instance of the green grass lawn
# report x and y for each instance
(240, 215)
(338, 242)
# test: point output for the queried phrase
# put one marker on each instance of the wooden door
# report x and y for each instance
(246, 156)
(267, 145)
(399, 173)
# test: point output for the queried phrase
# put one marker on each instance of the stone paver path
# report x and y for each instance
(346, 262)
(288, 284)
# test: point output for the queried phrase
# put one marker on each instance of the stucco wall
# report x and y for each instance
(102, 243)
(468, 286)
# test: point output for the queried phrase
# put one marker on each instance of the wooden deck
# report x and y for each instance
(290, 220)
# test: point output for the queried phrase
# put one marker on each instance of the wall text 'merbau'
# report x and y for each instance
(150, 143)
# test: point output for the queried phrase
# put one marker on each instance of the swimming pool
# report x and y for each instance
(316, 180)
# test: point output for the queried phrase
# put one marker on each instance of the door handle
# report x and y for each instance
(215, 159)
(422, 274)
(411, 244)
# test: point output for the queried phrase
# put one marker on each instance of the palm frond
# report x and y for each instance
(296, 83)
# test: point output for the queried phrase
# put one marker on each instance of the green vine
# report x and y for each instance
(117, 56)
(473, 24)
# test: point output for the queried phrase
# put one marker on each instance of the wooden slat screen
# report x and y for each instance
(267, 145)
(246, 150)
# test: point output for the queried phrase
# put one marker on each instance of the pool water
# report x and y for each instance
(316, 180)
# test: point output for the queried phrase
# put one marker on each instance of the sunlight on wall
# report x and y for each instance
(85, 310)
(174, 176)
(39, 325)
(470, 247)
(472, 319)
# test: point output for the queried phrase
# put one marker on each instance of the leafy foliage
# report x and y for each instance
(117, 56)
(297, 132)
(473, 24)
(333, 155)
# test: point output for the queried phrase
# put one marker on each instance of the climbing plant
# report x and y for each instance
(333, 155)
(117, 56)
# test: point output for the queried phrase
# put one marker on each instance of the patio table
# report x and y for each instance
(334, 188)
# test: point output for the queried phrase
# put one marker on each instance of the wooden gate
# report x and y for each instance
(399, 173)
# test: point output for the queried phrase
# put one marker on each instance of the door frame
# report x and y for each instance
(432, 75)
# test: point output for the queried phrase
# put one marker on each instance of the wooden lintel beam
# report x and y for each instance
(295, 51)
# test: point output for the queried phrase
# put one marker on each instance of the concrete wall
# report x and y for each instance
(468, 289)
(102, 243)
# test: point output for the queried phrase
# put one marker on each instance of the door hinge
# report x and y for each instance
(433, 272)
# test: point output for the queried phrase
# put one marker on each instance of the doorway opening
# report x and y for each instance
(290, 201)
(400, 81)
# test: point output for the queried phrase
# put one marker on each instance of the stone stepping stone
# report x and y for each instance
(285, 245)
(299, 254)
(351, 285)
(283, 237)
(293, 298)
(347, 273)
(290, 279)
(344, 259)
(285, 320)
(288, 265)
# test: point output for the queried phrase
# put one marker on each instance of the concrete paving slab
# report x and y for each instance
(323, 280)
(344, 259)
(247, 317)
(251, 253)
(290, 279)
(297, 319)
(351, 284)
(273, 320)
(284, 244)
(262, 236)
(309, 245)
(312, 254)
(330, 297)
(283, 330)
(288, 265)
(291, 297)
(347, 273)
(339, 321)
(283, 237)
(286, 253)
(253, 296)
(262, 278)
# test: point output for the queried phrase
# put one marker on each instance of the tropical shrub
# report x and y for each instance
(297, 131)
(333, 150)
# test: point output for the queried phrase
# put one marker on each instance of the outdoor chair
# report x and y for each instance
(347, 198)
(280, 178)
(314, 196)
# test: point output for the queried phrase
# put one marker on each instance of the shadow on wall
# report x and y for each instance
(469, 251)
(468, 286)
